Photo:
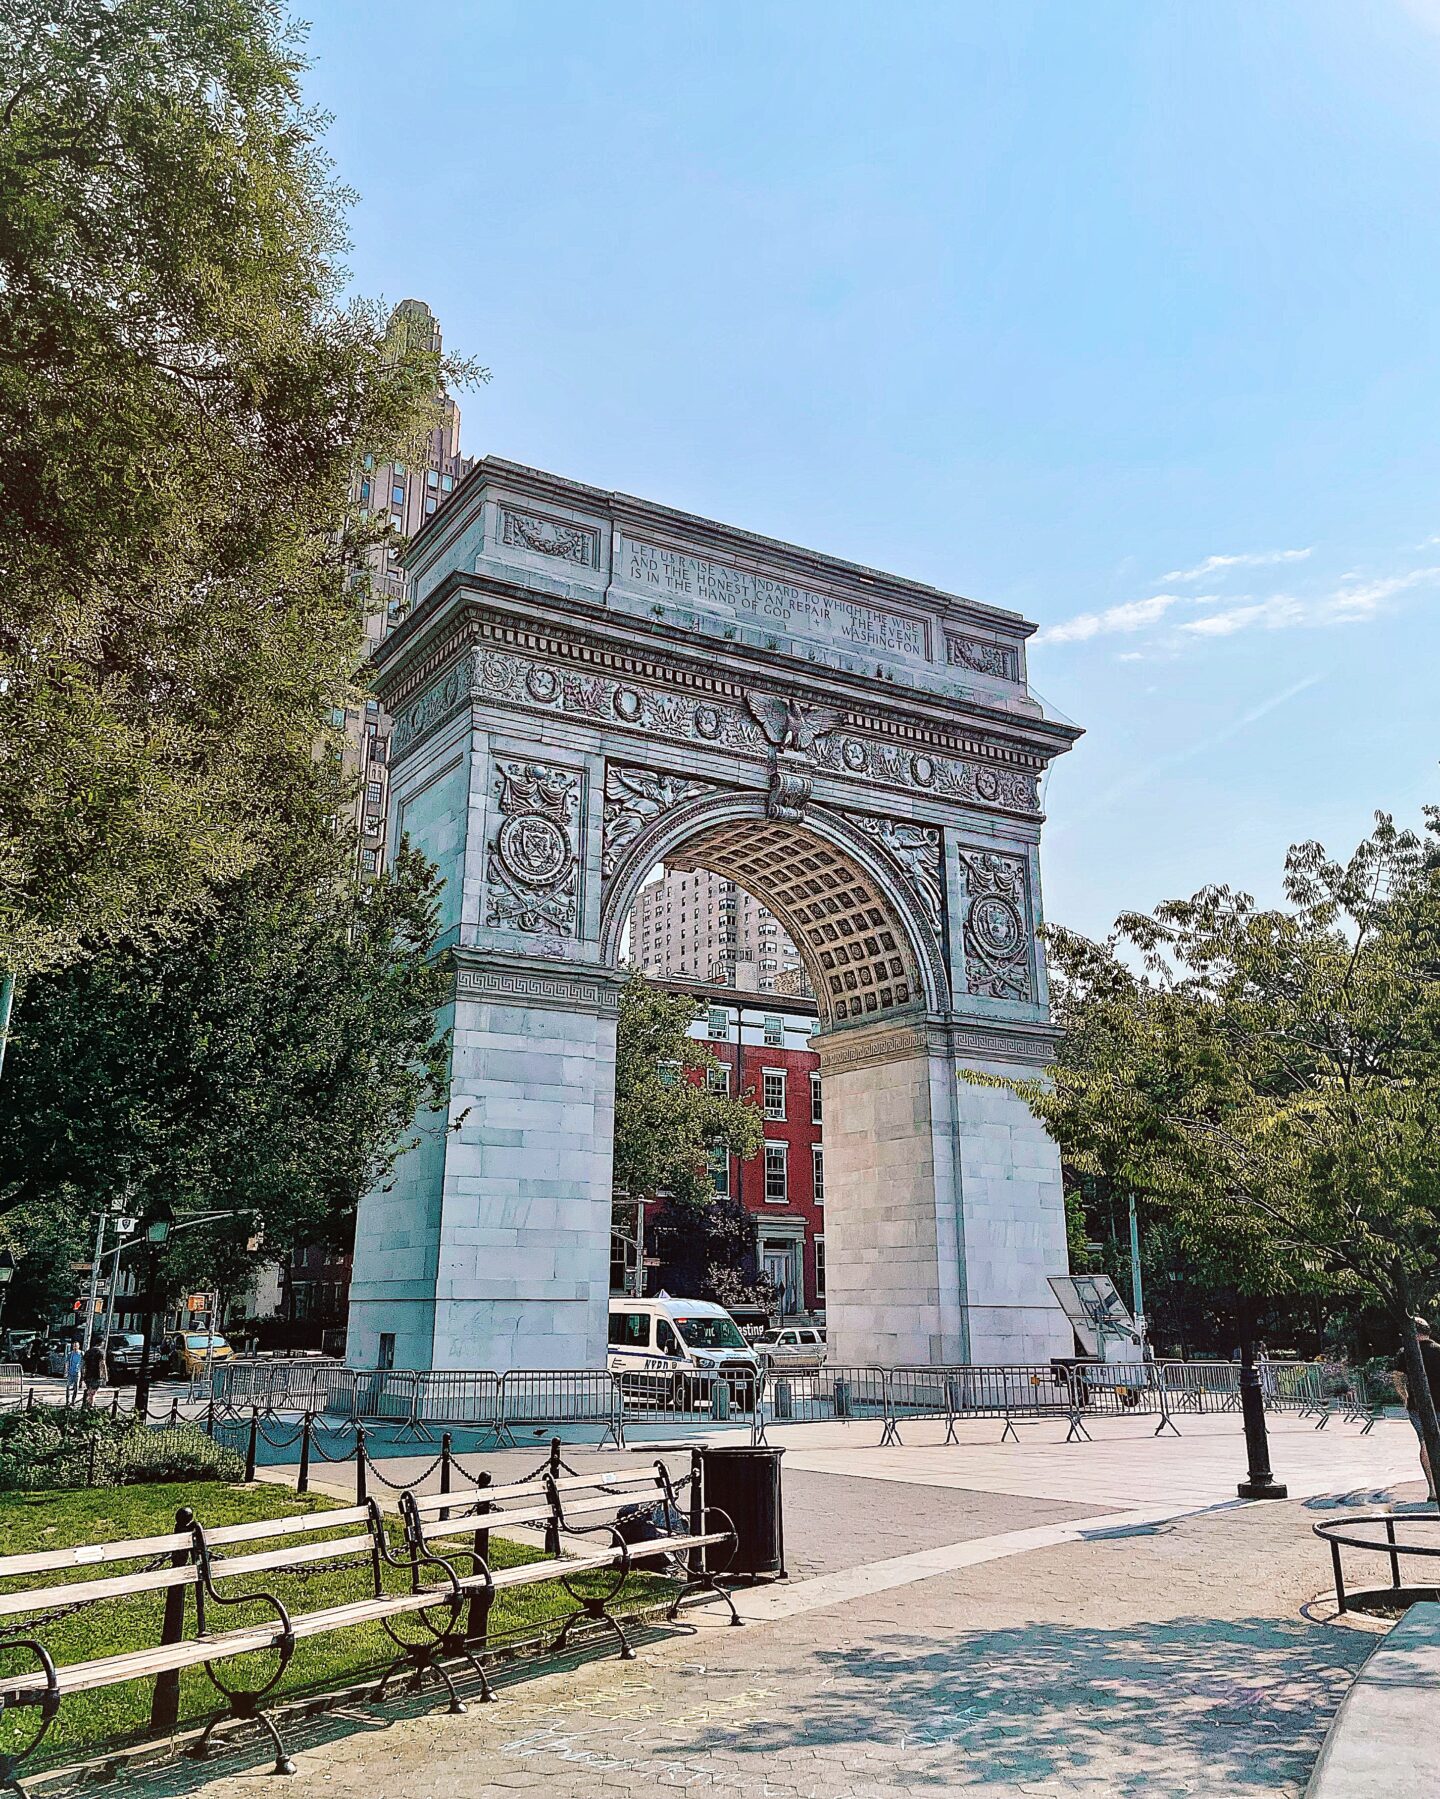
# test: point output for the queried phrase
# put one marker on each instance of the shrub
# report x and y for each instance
(57, 1448)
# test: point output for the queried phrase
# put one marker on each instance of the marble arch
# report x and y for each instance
(588, 683)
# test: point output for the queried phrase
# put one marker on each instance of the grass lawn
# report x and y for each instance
(55, 1520)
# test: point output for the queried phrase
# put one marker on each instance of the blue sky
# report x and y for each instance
(1125, 315)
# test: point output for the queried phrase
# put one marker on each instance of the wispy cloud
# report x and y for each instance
(1134, 615)
(1349, 604)
(1213, 565)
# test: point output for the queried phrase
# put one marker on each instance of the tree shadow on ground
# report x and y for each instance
(1191, 1706)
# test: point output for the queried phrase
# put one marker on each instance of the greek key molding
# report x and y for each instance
(1036, 1048)
(522, 986)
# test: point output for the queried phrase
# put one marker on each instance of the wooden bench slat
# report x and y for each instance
(87, 1555)
(296, 1525)
(293, 1557)
(81, 1592)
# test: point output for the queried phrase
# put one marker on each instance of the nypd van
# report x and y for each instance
(673, 1352)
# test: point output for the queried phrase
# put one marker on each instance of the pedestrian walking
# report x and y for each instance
(74, 1368)
(1430, 1356)
(97, 1374)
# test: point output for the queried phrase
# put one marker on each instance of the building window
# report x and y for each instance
(367, 860)
(364, 491)
(374, 793)
(369, 460)
(429, 507)
(717, 1080)
(720, 1170)
(777, 1182)
(447, 484)
(398, 524)
(774, 1031)
(432, 478)
(815, 1099)
(817, 1157)
(397, 495)
(774, 1096)
(719, 1023)
(819, 1268)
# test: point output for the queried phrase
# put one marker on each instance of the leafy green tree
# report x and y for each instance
(668, 1130)
(272, 1062)
(183, 398)
(1270, 1078)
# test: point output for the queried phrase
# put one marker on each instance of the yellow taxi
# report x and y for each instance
(190, 1353)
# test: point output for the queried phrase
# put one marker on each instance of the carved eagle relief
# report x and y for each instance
(790, 726)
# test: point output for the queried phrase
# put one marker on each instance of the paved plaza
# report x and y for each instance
(995, 1619)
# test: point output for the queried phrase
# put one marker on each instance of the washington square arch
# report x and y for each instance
(588, 685)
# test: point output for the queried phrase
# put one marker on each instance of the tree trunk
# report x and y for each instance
(1419, 1382)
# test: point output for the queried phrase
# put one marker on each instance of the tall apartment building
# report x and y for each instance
(407, 494)
(696, 923)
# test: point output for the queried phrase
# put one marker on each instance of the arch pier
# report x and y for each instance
(588, 684)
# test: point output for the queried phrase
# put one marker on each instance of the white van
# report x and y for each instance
(673, 1351)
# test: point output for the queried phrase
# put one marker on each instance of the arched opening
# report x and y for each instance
(864, 923)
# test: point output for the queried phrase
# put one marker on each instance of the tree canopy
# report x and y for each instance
(1270, 1077)
(270, 1061)
(668, 1130)
(183, 398)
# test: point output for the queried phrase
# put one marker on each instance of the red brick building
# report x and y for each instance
(762, 1042)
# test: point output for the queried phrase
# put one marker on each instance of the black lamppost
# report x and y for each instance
(1260, 1482)
(7, 1274)
(157, 1235)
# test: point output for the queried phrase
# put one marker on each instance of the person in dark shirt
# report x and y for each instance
(96, 1371)
(1430, 1355)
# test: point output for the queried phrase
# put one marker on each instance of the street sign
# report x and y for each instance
(124, 1225)
(197, 1302)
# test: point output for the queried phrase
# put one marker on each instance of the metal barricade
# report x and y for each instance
(542, 1398)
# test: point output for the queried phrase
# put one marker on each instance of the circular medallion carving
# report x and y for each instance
(997, 925)
(922, 770)
(707, 723)
(542, 684)
(534, 849)
(987, 783)
(853, 754)
(627, 704)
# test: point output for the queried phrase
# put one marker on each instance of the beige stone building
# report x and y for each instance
(694, 922)
(406, 495)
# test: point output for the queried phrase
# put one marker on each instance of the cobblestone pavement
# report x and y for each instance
(1137, 1660)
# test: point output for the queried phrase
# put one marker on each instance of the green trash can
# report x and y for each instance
(744, 1483)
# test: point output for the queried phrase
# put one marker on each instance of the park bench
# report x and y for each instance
(634, 1507)
(192, 1560)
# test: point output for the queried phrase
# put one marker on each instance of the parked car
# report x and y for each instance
(18, 1346)
(190, 1352)
(124, 1352)
(792, 1349)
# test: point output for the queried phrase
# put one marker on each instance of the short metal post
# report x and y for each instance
(1394, 1558)
(30, 1402)
(1339, 1575)
(477, 1624)
(165, 1700)
(445, 1451)
(302, 1479)
(360, 1493)
(252, 1444)
(115, 1403)
(210, 1419)
(174, 1411)
(1259, 1483)
(556, 1467)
